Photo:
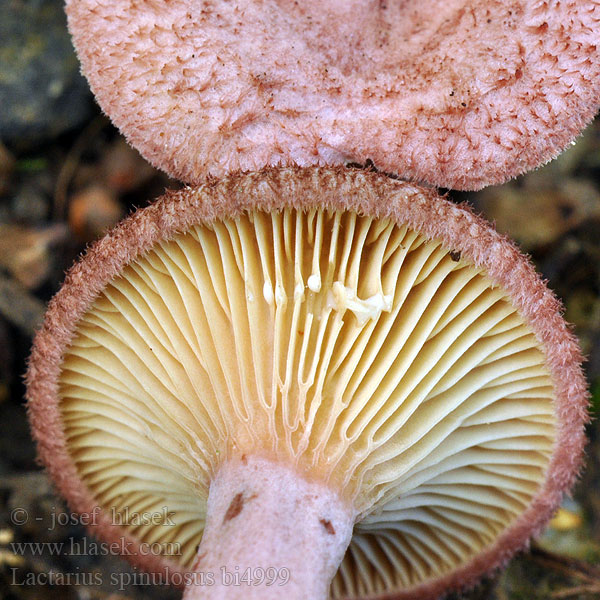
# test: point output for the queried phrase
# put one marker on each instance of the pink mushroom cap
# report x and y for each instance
(447, 92)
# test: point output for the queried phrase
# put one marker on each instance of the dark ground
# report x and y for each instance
(66, 175)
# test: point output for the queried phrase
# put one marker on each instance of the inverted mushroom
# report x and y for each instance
(452, 93)
(380, 354)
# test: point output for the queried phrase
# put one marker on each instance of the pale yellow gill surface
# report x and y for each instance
(356, 349)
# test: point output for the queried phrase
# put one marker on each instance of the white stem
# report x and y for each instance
(270, 534)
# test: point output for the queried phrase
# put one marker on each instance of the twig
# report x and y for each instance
(577, 591)
(18, 306)
(71, 163)
(566, 564)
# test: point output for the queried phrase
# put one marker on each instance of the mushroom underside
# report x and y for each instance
(356, 350)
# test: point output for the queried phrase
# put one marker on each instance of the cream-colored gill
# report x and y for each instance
(384, 363)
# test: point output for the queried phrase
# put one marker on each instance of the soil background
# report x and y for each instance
(66, 176)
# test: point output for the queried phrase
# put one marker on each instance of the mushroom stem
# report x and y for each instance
(269, 532)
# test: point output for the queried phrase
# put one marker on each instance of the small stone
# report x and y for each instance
(42, 93)
(93, 211)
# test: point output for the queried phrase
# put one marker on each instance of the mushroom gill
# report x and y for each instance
(363, 353)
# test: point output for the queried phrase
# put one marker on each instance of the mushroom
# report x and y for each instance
(318, 380)
(452, 93)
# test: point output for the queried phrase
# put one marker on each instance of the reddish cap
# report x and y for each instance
(455, 94)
